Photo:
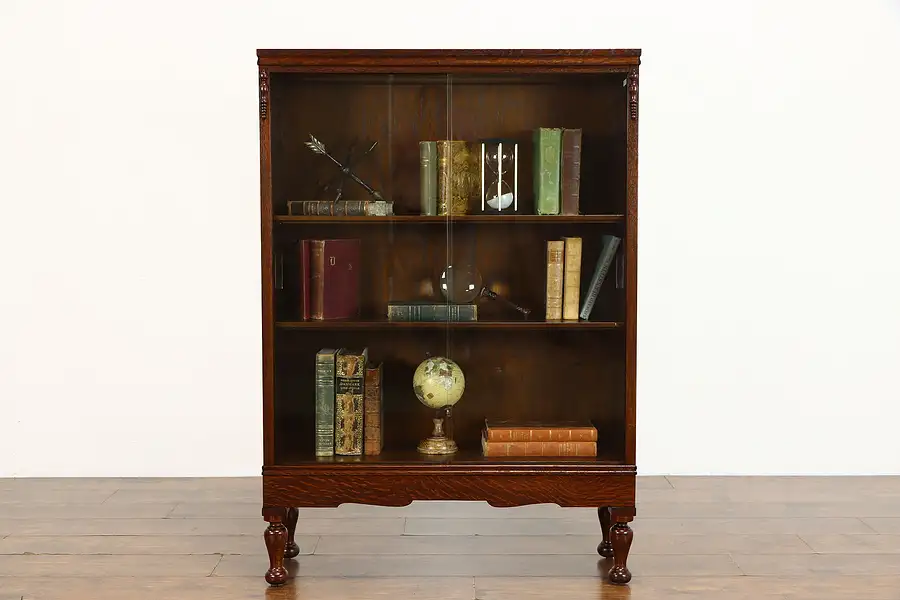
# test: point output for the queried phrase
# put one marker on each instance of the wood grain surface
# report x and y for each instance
(763, 539)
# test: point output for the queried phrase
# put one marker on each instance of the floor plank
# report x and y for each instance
(853, 544)
(189, 526)
(429, 526)
(97, 566)
(644, 588)
(235, 588)
(415, 545)
(86, 511)
(767, 509)
(145, 544)
(458, 565)
(885, 525)
(812, 565)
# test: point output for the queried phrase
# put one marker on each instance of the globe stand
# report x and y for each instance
(438, 443)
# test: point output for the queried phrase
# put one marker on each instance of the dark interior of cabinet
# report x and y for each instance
(546, 375)
(399, 111)
(404, 263)
(536, 373)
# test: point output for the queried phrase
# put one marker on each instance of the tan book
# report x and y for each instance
(572, 279)
(374, 412)
(555, 254)
(523, 431)
(544, 449)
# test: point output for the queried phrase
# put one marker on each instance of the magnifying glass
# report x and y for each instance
(462, 284)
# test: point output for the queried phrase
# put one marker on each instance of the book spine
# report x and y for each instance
(538, 448)
(374, 412)
(555, 256)
(428, 193)
(547, 143)
(610, 246)
(432, 312)
(325, 402)
(348, 412)
(570, 171)
(317, 279)
(454, 177)
(541, 435)
(572, 279)
(304, 279)
(341, 208)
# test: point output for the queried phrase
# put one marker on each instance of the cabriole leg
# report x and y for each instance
(276, 537)
(621, 536)
(605, 548)
(291, 549)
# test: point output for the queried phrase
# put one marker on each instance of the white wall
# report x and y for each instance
(769, 336)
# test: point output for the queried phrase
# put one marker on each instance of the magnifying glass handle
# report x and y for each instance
(495, 296)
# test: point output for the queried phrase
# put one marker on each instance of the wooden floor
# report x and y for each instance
(704, 538)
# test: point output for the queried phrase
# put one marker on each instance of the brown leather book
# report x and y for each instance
(334, 267)
(304, 279)
(538, 448)
(374, 412)
(555, 254)
(527, 431)
(570, 171)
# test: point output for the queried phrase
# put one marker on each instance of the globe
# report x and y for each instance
(439, 382)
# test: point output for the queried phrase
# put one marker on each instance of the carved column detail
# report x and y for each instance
(633, 94)
(263, 94)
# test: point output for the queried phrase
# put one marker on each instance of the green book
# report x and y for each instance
(325, 402)
(547, 149)
(428, 191)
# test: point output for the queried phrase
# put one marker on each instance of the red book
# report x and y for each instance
(304, 279)
(334, 267)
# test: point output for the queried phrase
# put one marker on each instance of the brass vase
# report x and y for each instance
(456, 177)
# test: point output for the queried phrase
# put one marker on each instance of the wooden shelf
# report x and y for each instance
(411, 219)
(469, 460)
(384, 324)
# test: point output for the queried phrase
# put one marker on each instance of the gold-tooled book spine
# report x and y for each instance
(572, 279)
(374, 412)
(555, 254)
(350, 373)
(455, 175)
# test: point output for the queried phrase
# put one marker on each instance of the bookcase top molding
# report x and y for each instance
(429, 60)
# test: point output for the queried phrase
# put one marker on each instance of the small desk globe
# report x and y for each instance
(439, 383)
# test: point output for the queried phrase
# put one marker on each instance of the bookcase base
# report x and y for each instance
(610, 488)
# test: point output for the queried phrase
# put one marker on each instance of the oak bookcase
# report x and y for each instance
(515, 369)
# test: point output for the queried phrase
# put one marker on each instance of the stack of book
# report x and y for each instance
(511, 438)
(349, 404)
(564, 300)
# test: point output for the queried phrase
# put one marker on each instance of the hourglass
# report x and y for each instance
(499, 176)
